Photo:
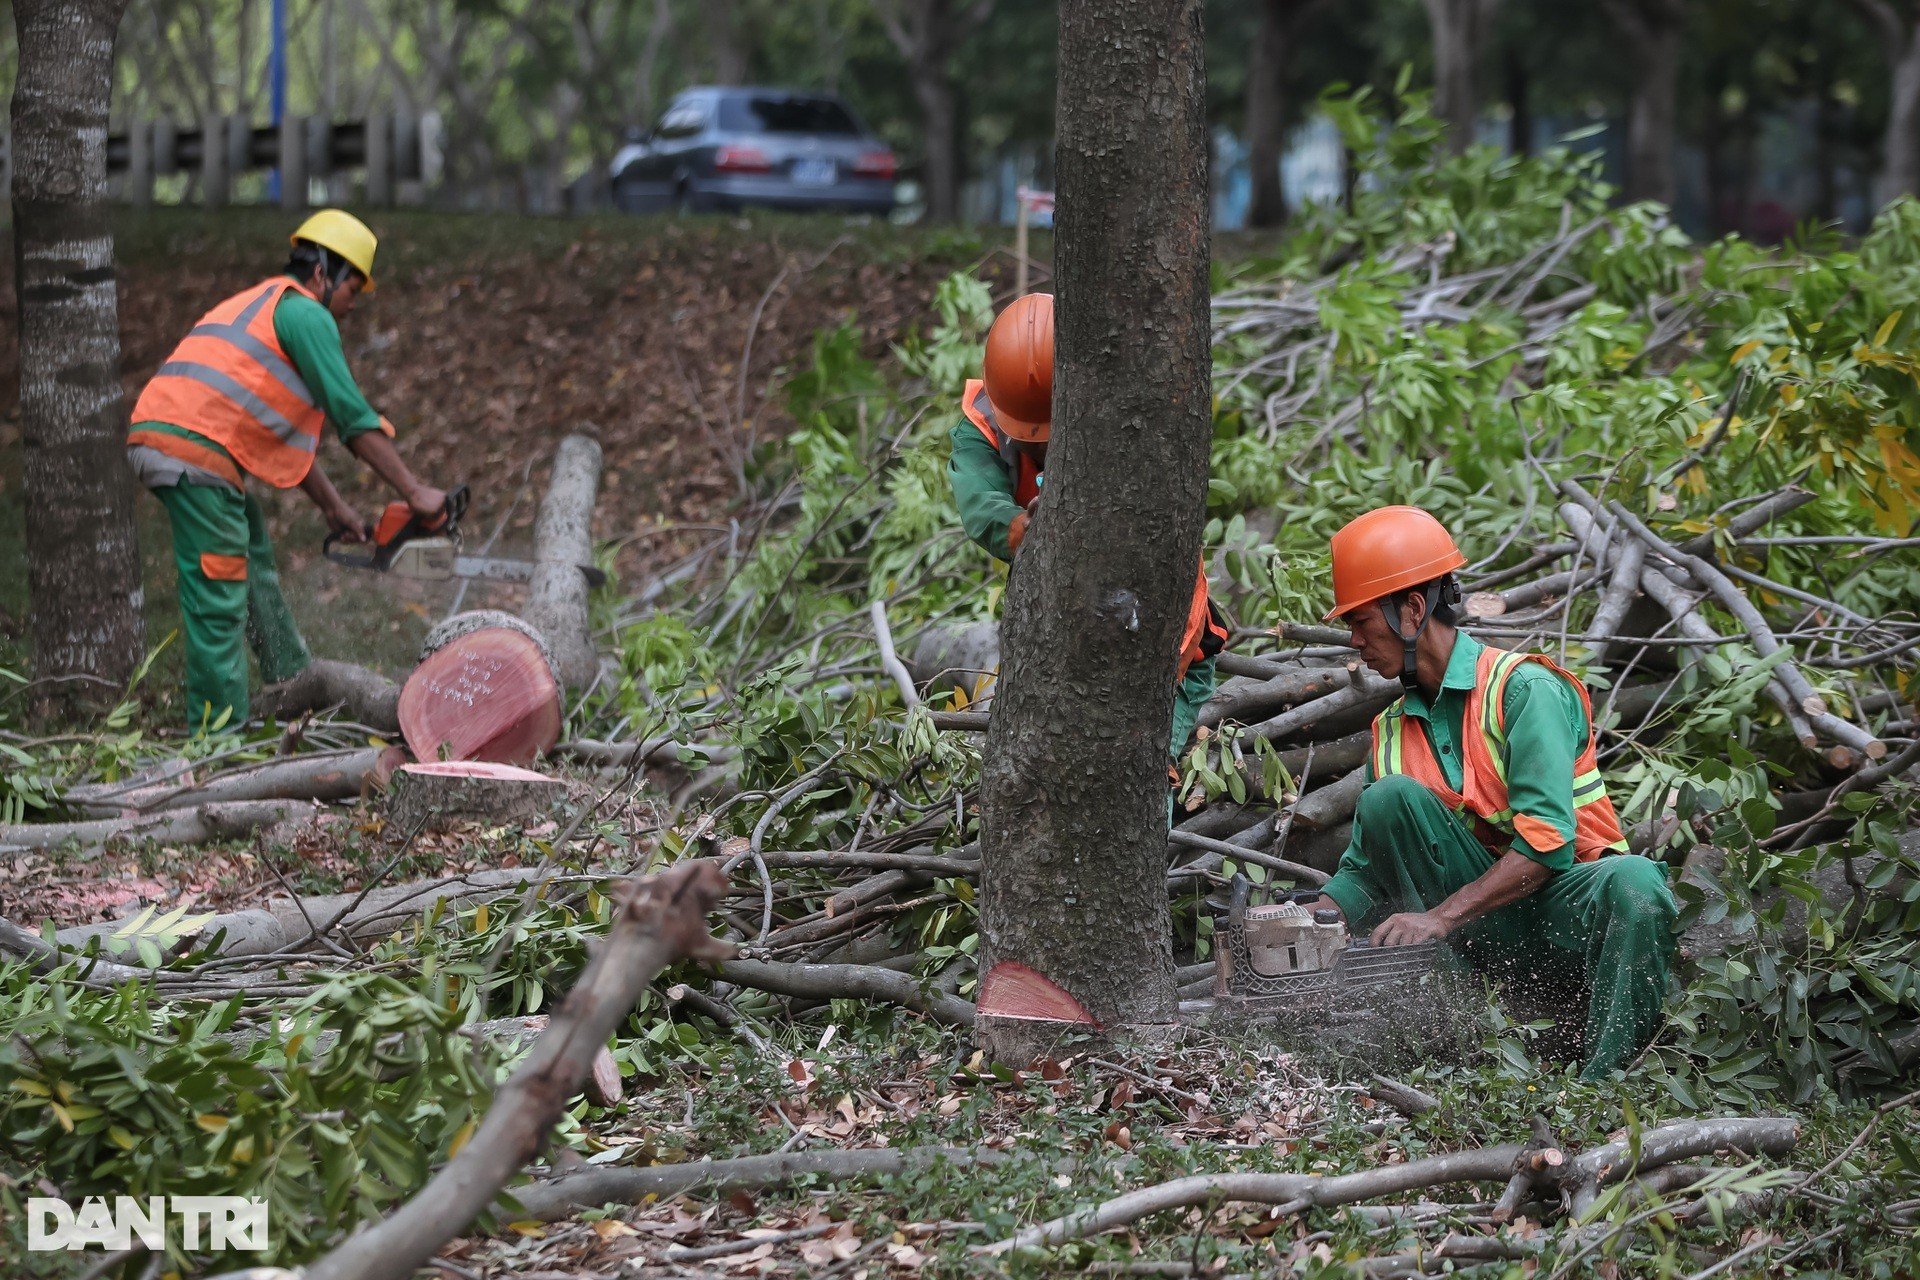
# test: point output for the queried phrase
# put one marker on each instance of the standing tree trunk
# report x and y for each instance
(1267, 107)
(1459, 30)
(1519, 102)
(724, 37)
(1898, 27)
(1652, 31)
(83, 562)
(928, 33)
(1074, 787)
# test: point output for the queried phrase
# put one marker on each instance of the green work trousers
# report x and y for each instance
(1605, 926)
(1189, 696)
(229, 596)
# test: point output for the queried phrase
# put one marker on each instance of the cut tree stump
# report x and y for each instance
(485, 689)
(427, 795)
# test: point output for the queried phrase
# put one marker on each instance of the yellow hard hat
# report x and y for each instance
(346, 235)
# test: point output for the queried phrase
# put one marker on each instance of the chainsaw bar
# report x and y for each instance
(437, 559)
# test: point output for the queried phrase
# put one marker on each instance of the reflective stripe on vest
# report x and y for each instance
(230, 381)
(1203, 634)
(1484, 790)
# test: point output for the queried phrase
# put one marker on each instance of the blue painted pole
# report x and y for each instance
(277, 91)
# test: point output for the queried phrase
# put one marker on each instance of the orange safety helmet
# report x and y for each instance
(1386, 551)
(1018, 369)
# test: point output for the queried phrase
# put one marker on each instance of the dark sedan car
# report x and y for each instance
(727, 148)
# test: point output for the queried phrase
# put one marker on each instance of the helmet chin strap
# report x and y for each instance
(1410, 661)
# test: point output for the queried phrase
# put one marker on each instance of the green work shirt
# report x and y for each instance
(1546, 731)
(310, 336)
(982, 490)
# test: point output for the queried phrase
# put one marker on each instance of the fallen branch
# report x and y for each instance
(662, 920)
(367, 696)
(590, 1188)
(848, 981)
(1297, 1191)
(322, 776)
(200, 824)
(888, 658)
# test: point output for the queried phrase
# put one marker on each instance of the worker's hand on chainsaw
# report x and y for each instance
(345, 524)
(427, 501)
(1409, 927)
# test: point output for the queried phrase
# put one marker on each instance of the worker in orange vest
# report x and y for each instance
(244, 396)
(1484, 820)
(999, 456)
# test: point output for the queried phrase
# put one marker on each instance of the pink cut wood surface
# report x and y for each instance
(487, 695)
(476, 769)
(1012, 990)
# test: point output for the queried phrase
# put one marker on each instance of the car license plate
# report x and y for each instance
(813, 173)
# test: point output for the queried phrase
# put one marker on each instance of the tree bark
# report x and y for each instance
(1074, 787)
(83, 561)
(1652, 31)
(1897, 25)
(1267, 107)
(927, 34)
(1459, 30)
(724, 35)
(562, 542)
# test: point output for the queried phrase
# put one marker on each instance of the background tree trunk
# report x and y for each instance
(1267, 70)
(939, 112)
(83, 562)
(1652, 31)
(928, 34)
(723, 34)
(1898, 27)
(1074, 789)
(1519, 95)
(1459, 30)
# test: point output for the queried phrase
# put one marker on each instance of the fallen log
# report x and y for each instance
(661, 920)
(1261, 699)
(285, 923)
(563, 542)
(1363, 693)
(322, 776)
(486, 689)
(425, 796)
(956, 657)
(847, 981)
(366, 695)
(589, 1188)
(198, 824)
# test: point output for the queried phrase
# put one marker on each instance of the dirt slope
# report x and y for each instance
(490, 337)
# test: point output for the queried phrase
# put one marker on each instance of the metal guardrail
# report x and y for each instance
(389, 148)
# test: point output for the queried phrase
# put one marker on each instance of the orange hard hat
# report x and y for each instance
(1018, 369)
(1386, 551)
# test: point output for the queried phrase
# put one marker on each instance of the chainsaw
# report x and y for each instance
(427, 548)
(1284, 955)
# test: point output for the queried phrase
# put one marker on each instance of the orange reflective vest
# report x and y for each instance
(1483, 793)
(1205, 633)
(230, 381)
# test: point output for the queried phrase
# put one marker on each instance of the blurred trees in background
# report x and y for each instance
(1716, 104)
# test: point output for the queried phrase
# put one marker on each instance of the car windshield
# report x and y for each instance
(770, 113)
